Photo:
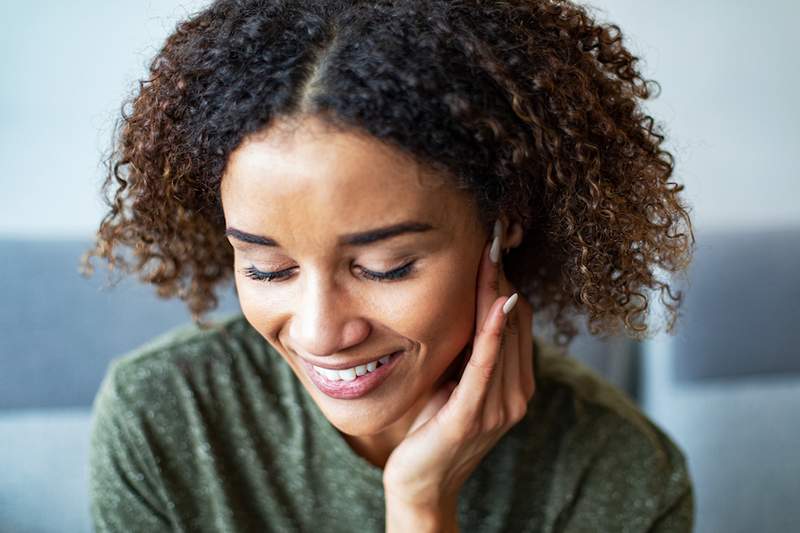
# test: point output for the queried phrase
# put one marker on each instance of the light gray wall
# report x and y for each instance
(728, 71)
(729, 74)
(66, 67)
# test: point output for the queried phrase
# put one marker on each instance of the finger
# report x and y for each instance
(505, 389)
(514, 339)
(470, 394)
(527, 372)
(512, 392)
(495, 407)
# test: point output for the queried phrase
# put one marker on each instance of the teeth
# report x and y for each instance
(349, 374)
(333, 375)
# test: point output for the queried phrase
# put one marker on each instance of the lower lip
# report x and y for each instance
(348, 390)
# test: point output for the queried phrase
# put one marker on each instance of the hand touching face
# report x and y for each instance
(463, 421)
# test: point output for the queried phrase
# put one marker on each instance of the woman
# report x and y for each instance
(358, 169)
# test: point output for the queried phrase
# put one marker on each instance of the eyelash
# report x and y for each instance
(392, 275)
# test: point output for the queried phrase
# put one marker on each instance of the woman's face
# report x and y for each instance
(307, 195)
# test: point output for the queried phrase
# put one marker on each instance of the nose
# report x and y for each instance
(326, 319)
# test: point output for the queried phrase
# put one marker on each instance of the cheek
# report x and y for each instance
(438, 313)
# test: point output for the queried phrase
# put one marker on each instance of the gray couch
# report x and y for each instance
(727, 386)
(729, 397)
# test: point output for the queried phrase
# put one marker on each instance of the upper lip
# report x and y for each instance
(349, 364)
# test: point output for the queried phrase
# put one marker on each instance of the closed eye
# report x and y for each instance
(397, 273)
(259, 275)
(392, 275)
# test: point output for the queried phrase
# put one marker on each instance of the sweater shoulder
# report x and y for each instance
(183, 340)
(603, 423)
(185, 357)
(563, 375)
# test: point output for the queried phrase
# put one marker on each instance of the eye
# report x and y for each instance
(395, 274)
(258, 275)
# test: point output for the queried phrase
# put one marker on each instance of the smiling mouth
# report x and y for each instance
(349, 374)
(353, 385)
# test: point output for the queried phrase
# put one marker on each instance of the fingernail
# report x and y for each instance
(494, 251)
(498, 228)
(510, 303)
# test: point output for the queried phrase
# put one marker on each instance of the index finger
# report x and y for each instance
(471, 390)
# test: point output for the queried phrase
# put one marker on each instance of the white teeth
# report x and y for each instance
(349, 374)
(332, 375)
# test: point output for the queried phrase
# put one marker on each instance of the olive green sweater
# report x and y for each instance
(211, 431)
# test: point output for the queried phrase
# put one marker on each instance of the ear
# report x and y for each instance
(513, 233)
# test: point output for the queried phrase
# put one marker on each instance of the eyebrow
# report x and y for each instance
(362, 238)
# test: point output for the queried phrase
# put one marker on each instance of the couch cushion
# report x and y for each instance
(742, 311)
(59, 329)
(44, 460)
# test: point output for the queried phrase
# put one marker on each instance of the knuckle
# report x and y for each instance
(455, 425)
(495, 332)
(529, 389)
(472, 434)
(470, 431)
(518, 408)
(494, 422)
(485, 370)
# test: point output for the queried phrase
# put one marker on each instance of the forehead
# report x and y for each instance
(332, 181)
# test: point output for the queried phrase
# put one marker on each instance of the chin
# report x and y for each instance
(358, 426)
(356, 417)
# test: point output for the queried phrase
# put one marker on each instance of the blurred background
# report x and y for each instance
(726, 387)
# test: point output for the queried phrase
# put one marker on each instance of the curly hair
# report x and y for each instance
(532, 106)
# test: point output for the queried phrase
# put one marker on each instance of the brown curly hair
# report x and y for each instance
(530, 105)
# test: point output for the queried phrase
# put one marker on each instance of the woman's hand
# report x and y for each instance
(455, 430)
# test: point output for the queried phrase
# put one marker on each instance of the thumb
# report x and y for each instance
(433, 406)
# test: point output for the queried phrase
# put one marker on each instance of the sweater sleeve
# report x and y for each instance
(125, 491)
(679, 516)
